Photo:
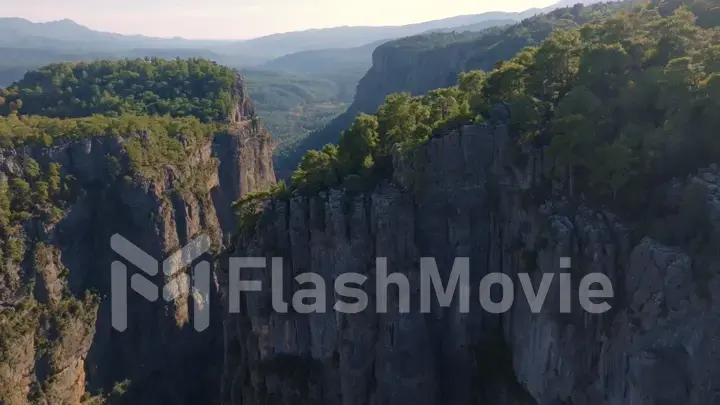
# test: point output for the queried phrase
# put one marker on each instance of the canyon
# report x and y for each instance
(460, 196)
(60, 346)
(464, 197)
(593, 153)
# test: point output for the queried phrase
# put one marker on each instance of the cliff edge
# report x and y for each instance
(464, 196)
(158, 184)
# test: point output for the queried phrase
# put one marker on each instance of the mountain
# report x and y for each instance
(23, 32)
(26, 46)
(421, 63)
(493, 206)
(69, 35)
(277, 45)
(572, 193)
(357, 59)
(480, 26)
(292, 106)
(16, 60)
(100, 165)
(318, 62)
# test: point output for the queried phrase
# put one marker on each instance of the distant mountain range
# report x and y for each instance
(322, 61)
(70, 38)
(298, 80)
(67, 34)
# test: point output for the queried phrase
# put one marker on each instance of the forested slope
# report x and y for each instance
(154, 86)
(421, 63)
(155, 151)
(622, 105)
(292, 106)
(597, 148)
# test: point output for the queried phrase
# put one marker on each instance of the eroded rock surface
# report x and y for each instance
(58, 347)
(464, 197)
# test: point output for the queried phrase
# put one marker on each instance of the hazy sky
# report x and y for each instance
(245, 18)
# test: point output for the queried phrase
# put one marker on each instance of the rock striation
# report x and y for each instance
(58, 347)
(465, 195)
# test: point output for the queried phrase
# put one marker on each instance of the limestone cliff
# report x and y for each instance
(464, 195)
(57, 346)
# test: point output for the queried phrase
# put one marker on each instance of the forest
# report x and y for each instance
(292, 106)
(622, 105)
(421, 63)
(153, 86)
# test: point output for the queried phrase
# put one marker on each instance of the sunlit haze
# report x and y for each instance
(239, 19)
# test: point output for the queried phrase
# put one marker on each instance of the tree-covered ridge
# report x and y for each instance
(17, 131)
(421, 63)
(623, 105)
(424, 42)
(403, 122)
(152, 86)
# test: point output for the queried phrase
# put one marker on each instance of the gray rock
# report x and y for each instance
(657, 345)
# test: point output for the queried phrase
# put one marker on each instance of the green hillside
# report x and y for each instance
(622, 104)
(421, 63)
(292, 106)
(194, 87)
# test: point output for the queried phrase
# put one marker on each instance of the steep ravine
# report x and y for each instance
(60, 349)
(463, 197)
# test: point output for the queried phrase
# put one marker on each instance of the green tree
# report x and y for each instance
(5, 197)
(21, 195)
(41, 195)
(112, 88)
(443, 104)
(317, 169)
(505, 82)
(31, 168)
(358, 144)
(613, 169)
(571, 143)
(53, 179)
(398, 119)
(556, 63)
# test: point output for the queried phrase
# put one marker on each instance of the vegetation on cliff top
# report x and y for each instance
(17, 131)
(623, 105)
(39, 191)
(36, 191)
(153, 86)
(161, 109)
(421, 63)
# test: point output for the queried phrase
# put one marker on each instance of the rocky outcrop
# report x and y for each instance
(464, 196)
(57, 344)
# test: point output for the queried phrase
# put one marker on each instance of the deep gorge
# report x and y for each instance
(466, 198)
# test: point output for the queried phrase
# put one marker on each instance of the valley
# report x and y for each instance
(286, 73)
(579, 139)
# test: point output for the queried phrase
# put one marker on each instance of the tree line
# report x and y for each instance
(622, 105)
(150, 86)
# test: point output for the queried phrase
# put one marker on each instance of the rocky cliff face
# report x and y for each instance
(464, 197)
(57, 345)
